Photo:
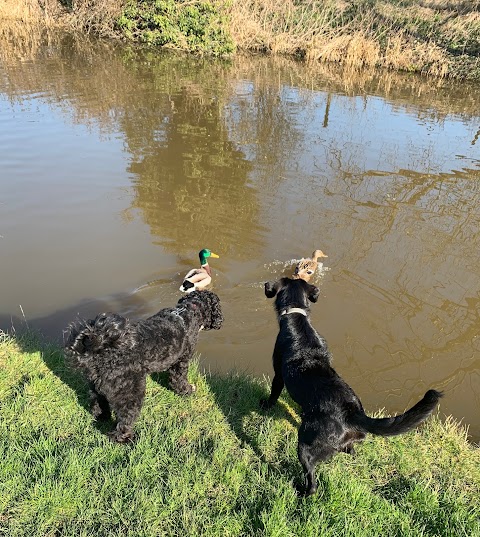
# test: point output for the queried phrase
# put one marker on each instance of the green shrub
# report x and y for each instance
(196, 26)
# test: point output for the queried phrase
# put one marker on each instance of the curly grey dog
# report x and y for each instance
(333, 418)
(116, 354)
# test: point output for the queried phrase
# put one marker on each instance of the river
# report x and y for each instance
(119, 164)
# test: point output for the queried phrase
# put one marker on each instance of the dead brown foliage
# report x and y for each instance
(410, 37)
(90, 16)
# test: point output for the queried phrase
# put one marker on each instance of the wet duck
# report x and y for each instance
(199, 278)
(306, 267)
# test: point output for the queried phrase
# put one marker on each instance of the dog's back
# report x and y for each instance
(315, 385)
(93, 345)
(306, 366)
(333, 418)
(112, 341)
(309, 377)
(91, 336)
(116, 354)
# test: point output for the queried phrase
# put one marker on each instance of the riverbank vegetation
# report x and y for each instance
(436, 37)
(211, 464)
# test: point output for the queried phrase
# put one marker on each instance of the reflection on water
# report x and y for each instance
(120, 165)
(190, 179)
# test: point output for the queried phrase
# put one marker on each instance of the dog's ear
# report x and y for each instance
(271, 289)
(217, 315)
(210, 307)
(313, 293)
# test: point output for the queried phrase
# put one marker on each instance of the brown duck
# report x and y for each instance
(306, 267)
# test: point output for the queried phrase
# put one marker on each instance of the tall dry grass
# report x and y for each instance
(32, 12)
(96, 16)
(423, 36)
(90, 16)
(283, 27)
(24, 26)
(20, 10)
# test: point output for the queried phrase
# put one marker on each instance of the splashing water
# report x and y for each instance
(279, 269)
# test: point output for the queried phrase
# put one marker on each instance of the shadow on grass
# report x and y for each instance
(433, 514)
(238, 397)
(161, 379)
(46, 335)
(32, 341)
(395, 489)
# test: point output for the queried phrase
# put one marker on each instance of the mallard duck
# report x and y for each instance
(198, 278)
(306, 267)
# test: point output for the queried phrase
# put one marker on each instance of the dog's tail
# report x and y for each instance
(95, 335)
(397, 424)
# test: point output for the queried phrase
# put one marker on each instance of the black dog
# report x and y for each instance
(333, 418)
(117, 354)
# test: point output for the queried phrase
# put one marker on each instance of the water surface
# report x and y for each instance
(119, 165)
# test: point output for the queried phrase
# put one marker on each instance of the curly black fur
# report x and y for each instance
(333, 418)
(116, 354)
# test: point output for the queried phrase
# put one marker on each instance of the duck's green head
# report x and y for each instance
(204, 254)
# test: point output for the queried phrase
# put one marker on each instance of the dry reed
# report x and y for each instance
(96, 16)
(45, 12)
(438, 37)
(414, 37)
(90, 16)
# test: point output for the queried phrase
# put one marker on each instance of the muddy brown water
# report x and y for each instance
(119, 165)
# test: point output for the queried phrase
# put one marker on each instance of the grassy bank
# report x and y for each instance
(210, 464)
(436, 37)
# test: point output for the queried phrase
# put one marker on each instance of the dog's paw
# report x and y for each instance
(100, 415)
(121, 437)
(265, 404)
(349, 449)
(187, 389)
(303, 492)
(191, 388)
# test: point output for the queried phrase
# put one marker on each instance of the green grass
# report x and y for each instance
(210, 464)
